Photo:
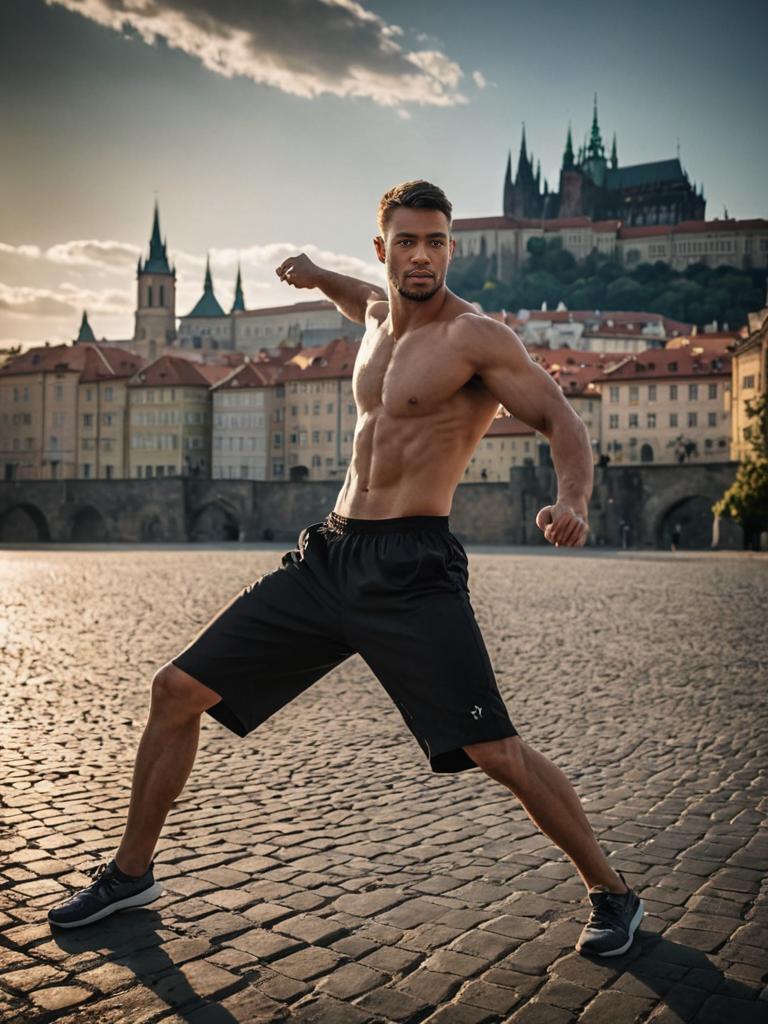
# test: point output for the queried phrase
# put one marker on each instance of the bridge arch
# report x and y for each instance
(24, 522)
(214, 521)
(693, 515)
(89, 526)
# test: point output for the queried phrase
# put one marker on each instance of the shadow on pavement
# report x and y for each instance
(135, 941)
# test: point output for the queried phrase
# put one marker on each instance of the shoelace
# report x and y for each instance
(97, 873)
(607, 909)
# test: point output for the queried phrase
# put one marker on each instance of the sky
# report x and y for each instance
(265, 128)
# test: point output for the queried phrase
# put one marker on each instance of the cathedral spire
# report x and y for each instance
(596, 148)
(208, 282)
(86, 332)
(158, 254)
(524, 168)
(614, 156)
(568, 154)
(239, 304)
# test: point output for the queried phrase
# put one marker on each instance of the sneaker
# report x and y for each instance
(612, 923)
(109, 891)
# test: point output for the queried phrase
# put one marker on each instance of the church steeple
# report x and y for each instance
(207, 305)
(568, 154)
(158, 254)
(614, 156)
(85, 333)
(596, 148)
(239, 304)
(524, 168)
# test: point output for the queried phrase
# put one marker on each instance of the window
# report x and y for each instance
(351, 410)
(634, 392)
(315, 436)
(673, 392)
(58, 419)
(243, 472)
(712, 391)
(315, 408)
(277, 469)
(613, 394)
(693, 392)
(277, 440)
(672, 367)
(711, 419)
(673, 419)
(329, 435)
(106, 419)
(651, 419)
(109, 472)
(293, 438)
(692, 419)
(613, 421)
(88, 419)
(58, 391)
(316, 460)
(748, 381)
(53, 441)
(651, 392)
(633, 419)
(329, 407)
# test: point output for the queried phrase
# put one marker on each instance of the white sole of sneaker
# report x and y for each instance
(633, 926)
(139, 900)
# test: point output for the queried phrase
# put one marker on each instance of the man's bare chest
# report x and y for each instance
(413, 376)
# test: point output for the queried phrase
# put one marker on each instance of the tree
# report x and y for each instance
(746, 500)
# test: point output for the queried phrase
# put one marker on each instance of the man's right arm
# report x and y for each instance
(350, 295)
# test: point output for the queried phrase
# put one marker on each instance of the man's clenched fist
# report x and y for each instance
(299, 271)
(562, 525)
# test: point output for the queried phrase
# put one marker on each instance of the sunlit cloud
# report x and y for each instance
(306, 48)
(65, 299)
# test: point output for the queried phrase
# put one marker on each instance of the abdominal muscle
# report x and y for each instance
(409, 465)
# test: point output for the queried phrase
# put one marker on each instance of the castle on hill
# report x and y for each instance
(594, 185)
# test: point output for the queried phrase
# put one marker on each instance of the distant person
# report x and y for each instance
(676, 534)
(382, 574)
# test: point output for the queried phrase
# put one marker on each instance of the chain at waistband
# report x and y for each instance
(334, 523)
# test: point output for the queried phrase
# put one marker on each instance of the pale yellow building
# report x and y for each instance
(668, 406)
(312, 433)
(508, 442)
(749, 380)
(63, 412)
(169, 405)
(244, 403)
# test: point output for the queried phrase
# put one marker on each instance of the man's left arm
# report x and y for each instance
(528, 392)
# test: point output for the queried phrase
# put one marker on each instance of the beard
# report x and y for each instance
(415, 296)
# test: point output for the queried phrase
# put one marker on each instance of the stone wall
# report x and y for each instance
(636, 506)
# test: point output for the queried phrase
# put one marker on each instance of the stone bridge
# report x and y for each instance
(636, 506)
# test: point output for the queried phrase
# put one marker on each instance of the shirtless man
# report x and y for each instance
(382, 574)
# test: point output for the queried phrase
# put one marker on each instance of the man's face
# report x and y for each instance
(416, 249)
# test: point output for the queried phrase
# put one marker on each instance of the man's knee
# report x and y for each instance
(504, 760)
(173, 688)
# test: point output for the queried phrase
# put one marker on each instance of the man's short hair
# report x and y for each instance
(420, 194)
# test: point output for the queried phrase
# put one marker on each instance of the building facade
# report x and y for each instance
(155, 317)
(169, 404)
(670, 406)
(63, 412)
(750, 381)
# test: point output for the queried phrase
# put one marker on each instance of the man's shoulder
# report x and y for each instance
(376, 308)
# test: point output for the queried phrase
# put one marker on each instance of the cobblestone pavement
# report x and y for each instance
(317, 871)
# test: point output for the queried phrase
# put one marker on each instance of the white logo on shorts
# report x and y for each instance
(476, 712)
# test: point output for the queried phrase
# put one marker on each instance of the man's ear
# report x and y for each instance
(381, 252)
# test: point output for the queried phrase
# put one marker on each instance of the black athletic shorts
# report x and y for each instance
(393, 590)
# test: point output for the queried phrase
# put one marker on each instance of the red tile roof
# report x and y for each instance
(695, 227)
(92, 361)
(172, 371)
(658, 363)
(336, 359)
(249, 375)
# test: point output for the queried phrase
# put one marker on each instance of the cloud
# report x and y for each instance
(479, 79)
(303, 47)
(65, 300)
(105, 255)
